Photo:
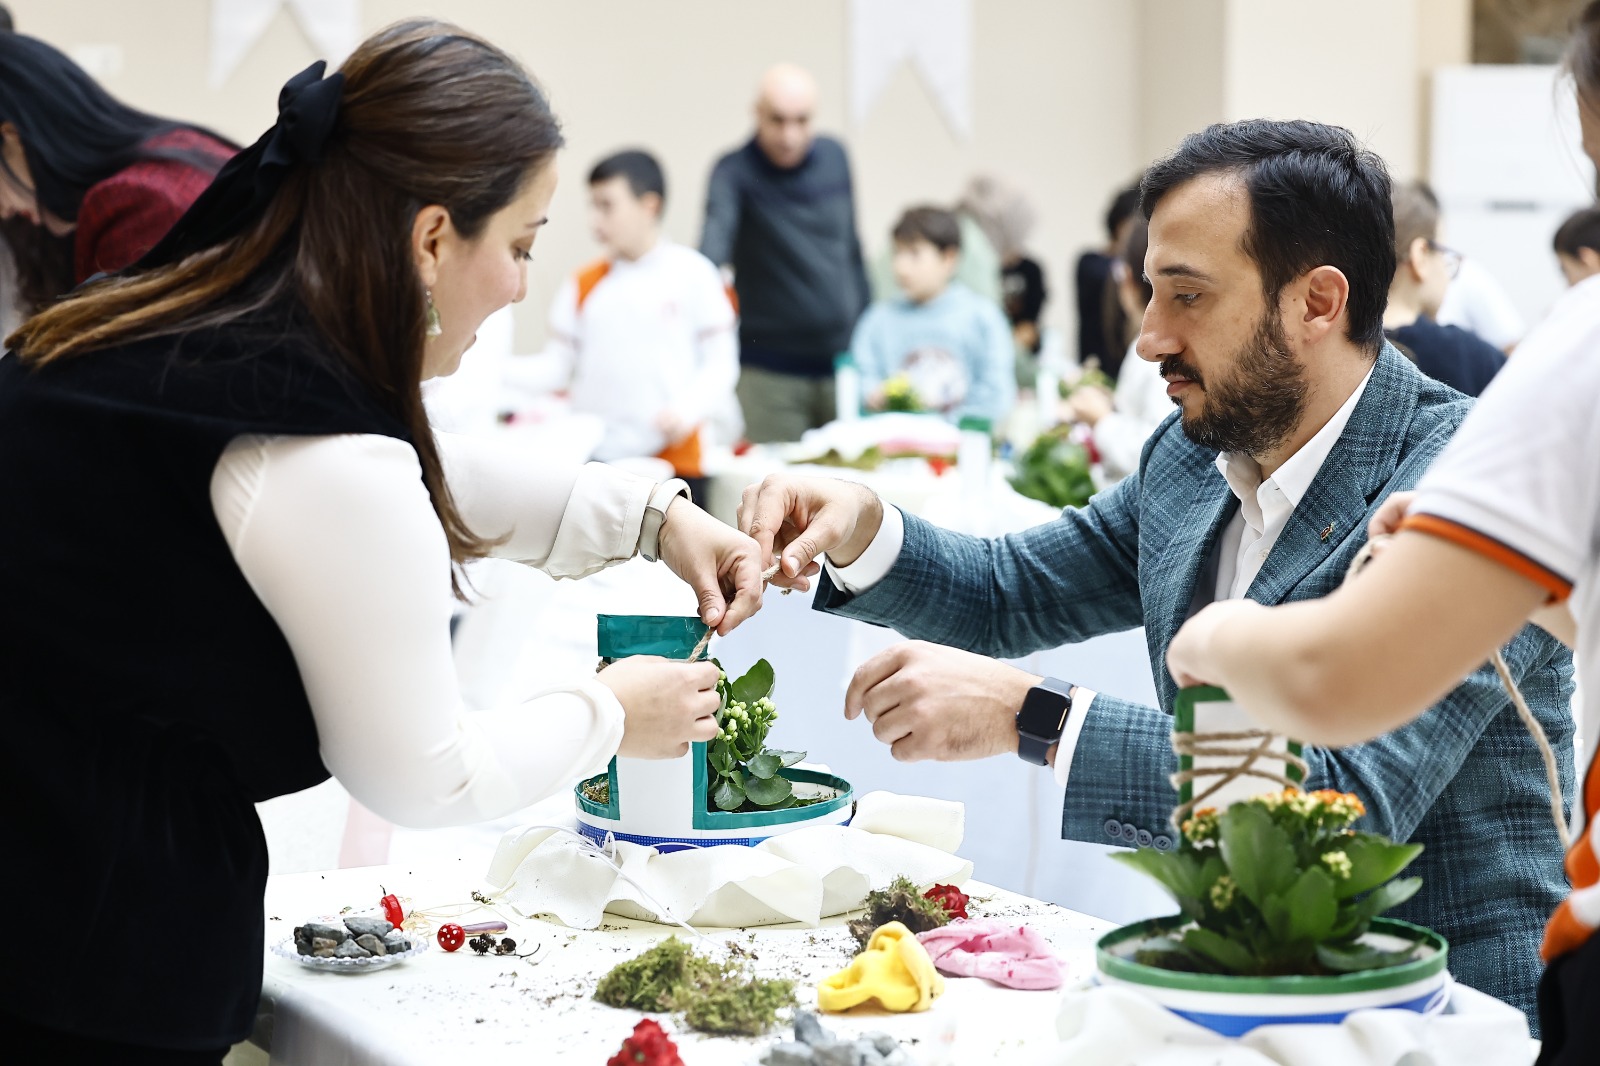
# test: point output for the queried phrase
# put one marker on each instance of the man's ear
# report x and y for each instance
(1416, 256)
(1590, 260)
(429, 231)
(1326, 295)
(653, 201)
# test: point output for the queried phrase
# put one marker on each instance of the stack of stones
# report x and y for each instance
(360, 938)
(814, 1045)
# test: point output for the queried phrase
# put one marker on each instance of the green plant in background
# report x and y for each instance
(1092, 377)
(900, 395)
(1055, 470)
(741, 770)
(1278, 884)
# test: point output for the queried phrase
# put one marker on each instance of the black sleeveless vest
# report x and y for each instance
(149, 699)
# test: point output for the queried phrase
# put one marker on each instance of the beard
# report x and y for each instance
(1260, 402)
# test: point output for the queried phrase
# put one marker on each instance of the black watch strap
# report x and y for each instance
(1042, 719)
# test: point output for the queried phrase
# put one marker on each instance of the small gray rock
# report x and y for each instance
(883, 1043)
(808, 1029)
(360, 927)
(867, 1053)
(396, 942)
(349, 949)
(373, 945)
(788, 1054)
(302, 944)
(838, 1053)
(897, 1057)
(322, 947)
(315, 930)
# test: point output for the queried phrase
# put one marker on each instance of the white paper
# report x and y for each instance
(332, 26)
(934, 35)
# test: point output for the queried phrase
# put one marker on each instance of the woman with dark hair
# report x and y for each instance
(1503, 530)
(87, 183)
(229, 536)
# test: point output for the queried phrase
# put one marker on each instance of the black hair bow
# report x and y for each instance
(240, 193)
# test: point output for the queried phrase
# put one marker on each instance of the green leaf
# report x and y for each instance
(1312, 906)
(721, 758)
(766, 792)
(1258, 853)
(1231, 957)
(755, 684)
(1386, 896)
(764, 766)
(788, 758)
(729, 795)
(1373, 860)
(1360, 957)
(1179, 872)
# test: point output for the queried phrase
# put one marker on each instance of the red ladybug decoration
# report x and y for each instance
(452, 936)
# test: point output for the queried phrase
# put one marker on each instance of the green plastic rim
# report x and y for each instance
(704, 819)
(1124, 969)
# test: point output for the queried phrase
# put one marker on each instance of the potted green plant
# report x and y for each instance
(1279, 921)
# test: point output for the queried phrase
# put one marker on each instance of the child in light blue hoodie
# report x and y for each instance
(952, 346)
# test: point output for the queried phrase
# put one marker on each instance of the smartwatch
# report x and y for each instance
(1042, 719)
(655, 513)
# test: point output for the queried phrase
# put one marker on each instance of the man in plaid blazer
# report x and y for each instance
(1270, 254)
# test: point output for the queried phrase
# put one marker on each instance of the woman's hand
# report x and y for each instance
(717, 561)
(1190, 656)
(667, 704)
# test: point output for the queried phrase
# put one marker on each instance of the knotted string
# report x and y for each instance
(1207, 744)
(705, 638)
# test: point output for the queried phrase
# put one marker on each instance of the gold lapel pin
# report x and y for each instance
(1326, 533)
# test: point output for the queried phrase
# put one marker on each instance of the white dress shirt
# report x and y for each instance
(1264, 510)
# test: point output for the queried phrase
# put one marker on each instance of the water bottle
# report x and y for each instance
(846, 388)
(975, 457)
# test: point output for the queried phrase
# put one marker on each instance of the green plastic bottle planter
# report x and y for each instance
(674, 637)
(1235, 1005)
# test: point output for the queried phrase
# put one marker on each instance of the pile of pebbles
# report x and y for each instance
(360, 938)
(814, 1045)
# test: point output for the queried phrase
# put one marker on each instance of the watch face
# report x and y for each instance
(1044, 713)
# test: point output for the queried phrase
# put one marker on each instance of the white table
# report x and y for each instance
(443, 1008)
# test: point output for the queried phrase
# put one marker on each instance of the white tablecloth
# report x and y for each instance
(463, 1008)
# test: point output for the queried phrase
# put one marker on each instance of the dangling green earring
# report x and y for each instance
(433, 328)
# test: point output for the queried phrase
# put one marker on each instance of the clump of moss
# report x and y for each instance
(598, 790)
(901, 902)
(713, 997)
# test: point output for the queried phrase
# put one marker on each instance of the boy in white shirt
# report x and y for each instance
(648, 331)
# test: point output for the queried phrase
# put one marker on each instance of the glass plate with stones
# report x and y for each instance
(348, 961)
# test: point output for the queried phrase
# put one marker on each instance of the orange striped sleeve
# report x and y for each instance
(1557, 586)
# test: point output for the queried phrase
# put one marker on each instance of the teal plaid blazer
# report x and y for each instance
(1464, 779)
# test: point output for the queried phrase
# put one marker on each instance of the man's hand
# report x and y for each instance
(927, 701)
(1189, 658)
(716, 560)
(802, 517)
(1088, 405)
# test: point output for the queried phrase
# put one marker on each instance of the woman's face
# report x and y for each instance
(471, 280)
(18, 199)
(1589, 124)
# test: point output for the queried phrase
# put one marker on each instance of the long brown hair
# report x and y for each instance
(429, 115)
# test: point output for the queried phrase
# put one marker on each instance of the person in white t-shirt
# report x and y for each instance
(1478, 303)
(1503, 529)
(646, 333)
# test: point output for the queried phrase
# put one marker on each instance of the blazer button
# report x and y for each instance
(1145, 838)
(1163, 843)
(1114, 829)
(1130, 834)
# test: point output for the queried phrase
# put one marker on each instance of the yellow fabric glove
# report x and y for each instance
(894, 970)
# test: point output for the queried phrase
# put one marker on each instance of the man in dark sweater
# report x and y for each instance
(780, 212)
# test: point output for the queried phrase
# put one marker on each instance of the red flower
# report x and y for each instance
(648, 1046)
(951, 898)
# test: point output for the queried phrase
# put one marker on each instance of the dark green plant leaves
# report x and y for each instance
(729, 794)
(1219, 950)
(1352, 959)
(755, 684)
(768, 792)
(1311, 906)
(764, 766)
(1373, 860)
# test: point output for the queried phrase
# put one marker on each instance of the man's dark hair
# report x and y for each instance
(935, 225)
(640, 169)
(1416, 217)
(1581, 230)
(1317, 198)
(1124, 206)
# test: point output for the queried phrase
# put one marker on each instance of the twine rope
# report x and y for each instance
(1215, 745)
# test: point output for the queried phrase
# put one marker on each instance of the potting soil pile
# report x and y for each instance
(801, 876)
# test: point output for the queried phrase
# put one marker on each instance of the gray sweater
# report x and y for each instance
(790, 236)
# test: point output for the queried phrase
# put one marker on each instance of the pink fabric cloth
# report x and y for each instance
(1008, 954)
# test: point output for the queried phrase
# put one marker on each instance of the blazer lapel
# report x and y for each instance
(1332, 516)
(1179, 556)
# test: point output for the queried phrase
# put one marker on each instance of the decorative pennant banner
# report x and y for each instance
(935, 35)
(332, 26)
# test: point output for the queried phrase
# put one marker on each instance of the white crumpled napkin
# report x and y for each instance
(1104, 1026)
(802, 876)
